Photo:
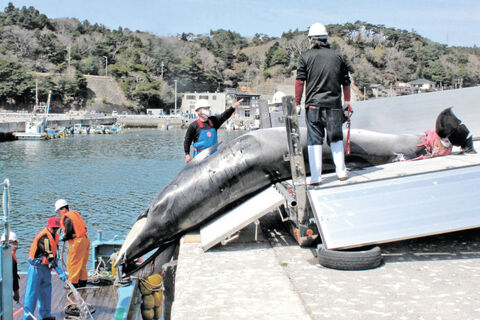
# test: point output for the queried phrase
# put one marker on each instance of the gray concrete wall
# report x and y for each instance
(417, 112)
(16, 122)
(141, 121)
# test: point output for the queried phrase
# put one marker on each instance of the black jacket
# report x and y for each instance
(325, 71)
(193, 131)
(69, 230)
(15, 275)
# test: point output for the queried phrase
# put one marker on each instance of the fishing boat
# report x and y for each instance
(35, 126)
(112, 299)
(116, 128)
(100, 129)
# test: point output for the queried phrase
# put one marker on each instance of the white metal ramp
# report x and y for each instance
(399, 201)
(241, 216)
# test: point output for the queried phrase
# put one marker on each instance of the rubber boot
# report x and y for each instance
(82, 283)
(339, 159)
(315, 161)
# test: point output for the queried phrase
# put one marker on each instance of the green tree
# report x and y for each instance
(148, 94)
(50, 47)
(269, 54)
(280, 56)
(16, 84)
(242, 57)
(89, 65)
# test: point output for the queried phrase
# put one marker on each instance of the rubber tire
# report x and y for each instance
(350, 260)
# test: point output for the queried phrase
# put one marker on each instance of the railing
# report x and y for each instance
(6, 277)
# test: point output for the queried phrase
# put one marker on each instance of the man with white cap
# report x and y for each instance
(75, 232)
(325, 73)
(203, 132)
(277, 101)
(13, 242)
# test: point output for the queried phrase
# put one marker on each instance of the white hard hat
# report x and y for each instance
(202, 103)
(317, 30)
(277, 97)
(12, 236)
(60, 204)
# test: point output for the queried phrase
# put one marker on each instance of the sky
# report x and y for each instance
(452, 22)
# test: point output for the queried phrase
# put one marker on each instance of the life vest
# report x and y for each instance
(206, 139)
(53, 244)
(14, 256)
(78, 225)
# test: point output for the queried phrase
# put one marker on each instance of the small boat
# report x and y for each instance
(116, 128)
(99, 129)
(35, 127)
(76, 128)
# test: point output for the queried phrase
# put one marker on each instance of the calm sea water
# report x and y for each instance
(109, 179)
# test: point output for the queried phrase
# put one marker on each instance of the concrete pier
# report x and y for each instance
(434, 277)
(430, 278)
(15, 122)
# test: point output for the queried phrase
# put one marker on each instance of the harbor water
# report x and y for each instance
(108, 179)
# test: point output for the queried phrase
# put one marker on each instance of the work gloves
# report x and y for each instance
(58, 269)
(61, 274)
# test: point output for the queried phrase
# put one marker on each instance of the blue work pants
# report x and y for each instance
(39, 288)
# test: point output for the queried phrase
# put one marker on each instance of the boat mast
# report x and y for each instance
(48, 107)
(36, 92)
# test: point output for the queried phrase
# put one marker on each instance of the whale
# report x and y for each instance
(206, 188)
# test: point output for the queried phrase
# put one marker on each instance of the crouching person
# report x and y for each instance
(42, 258)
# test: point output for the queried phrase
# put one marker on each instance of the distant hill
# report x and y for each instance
(145, 66)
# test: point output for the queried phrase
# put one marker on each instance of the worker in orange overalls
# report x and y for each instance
(75, 232)
(42, 258)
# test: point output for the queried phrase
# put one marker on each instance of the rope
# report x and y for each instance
(101, 277)
(84, 309)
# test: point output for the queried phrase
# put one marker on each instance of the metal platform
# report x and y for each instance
(104, 299)
(399, 201)
(240, 217)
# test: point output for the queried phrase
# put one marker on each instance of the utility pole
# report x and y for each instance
(175, 96)
(106, 65)
(69, 50)
(162, 71)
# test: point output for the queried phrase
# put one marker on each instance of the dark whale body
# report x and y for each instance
(205, 189)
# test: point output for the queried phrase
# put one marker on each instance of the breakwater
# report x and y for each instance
(15, 122)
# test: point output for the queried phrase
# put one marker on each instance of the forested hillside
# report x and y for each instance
(59, 52)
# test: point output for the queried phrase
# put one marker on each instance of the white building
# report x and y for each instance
(155, 112)
(219, 102)
(422, 84)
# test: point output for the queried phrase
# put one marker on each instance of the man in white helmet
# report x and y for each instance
(203, 132)
(75, 233)
(277, 101)
(13, 242)
(325, 73)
